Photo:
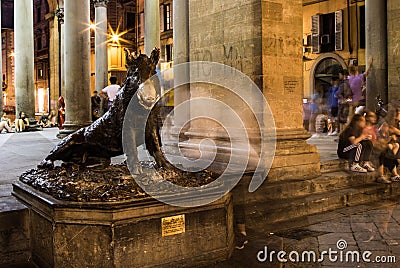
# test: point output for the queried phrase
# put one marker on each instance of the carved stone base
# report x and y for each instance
(294, 157)
(126, 233)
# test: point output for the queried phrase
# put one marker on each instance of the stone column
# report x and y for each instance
(151, 25)
(77, 65)
(393, 49)
(101, 59)
(376, 47)
(24, 56)
(61, 31)
(181, 55)
(267, 47)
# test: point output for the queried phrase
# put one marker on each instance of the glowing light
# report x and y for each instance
(92, 26)
(115, 37)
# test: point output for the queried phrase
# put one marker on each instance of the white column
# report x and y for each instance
(24, 56)
(62, 50)
(181, 55)
(61, 29)
(101, 60)
(151, 25)
(77, 64)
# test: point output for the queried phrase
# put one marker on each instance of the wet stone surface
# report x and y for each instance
(110, 184)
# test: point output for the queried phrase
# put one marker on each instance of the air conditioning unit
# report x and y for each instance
(325, 39)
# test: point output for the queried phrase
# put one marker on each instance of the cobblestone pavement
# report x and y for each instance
(373, 233)
(369, 228)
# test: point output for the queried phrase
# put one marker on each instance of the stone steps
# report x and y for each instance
(297, 188)
(14, 234)
(283, 209)
(290, 201)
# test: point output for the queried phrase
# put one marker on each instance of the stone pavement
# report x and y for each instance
(374, 228)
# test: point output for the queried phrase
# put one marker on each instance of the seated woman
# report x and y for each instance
(52, 119)
(389, 156)
(21, 122)
(43, 120)
(4, 118)
(355, 146)
(4, 125)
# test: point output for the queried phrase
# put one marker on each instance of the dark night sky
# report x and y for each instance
(7, 14)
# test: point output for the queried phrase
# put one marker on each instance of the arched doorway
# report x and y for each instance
(324, 68)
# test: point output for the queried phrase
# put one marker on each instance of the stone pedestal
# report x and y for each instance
(132, 233)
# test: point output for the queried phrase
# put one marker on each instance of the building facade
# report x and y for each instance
(334, 37)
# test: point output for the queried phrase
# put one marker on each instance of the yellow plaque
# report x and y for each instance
(173, 225)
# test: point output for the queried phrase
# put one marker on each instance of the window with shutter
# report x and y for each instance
(171, 22)
(141, 25)
(315, 34)
(339, 30)
(162, 18)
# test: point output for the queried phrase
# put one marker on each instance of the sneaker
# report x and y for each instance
(395, 178)
(241, 240)
(357, 168)
(334, 133)
(368, 167)
(383, 179)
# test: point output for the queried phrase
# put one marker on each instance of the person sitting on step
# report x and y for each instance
(4, 125)
(21, 122)
(390, 155)
(355, 146)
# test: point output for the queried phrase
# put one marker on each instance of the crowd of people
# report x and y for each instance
(56, 118)
(369, 141)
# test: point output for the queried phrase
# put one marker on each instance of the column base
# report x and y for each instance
(294, 157)
(70, 128)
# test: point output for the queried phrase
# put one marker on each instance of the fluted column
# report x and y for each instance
(181, 55)
(61, 40)
(151, 25)
(77, 65)
(376, 22)
(24, 57)
(101, 60)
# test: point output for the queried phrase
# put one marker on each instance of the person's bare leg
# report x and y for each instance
(242, 229)
(395, 148)
(7, 127)
(17, 128)
(381, 171)
(394, 171)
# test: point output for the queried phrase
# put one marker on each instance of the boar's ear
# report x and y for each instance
(129, 57)
(155, 56)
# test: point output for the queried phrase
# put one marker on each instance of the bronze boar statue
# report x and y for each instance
(96, 144)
